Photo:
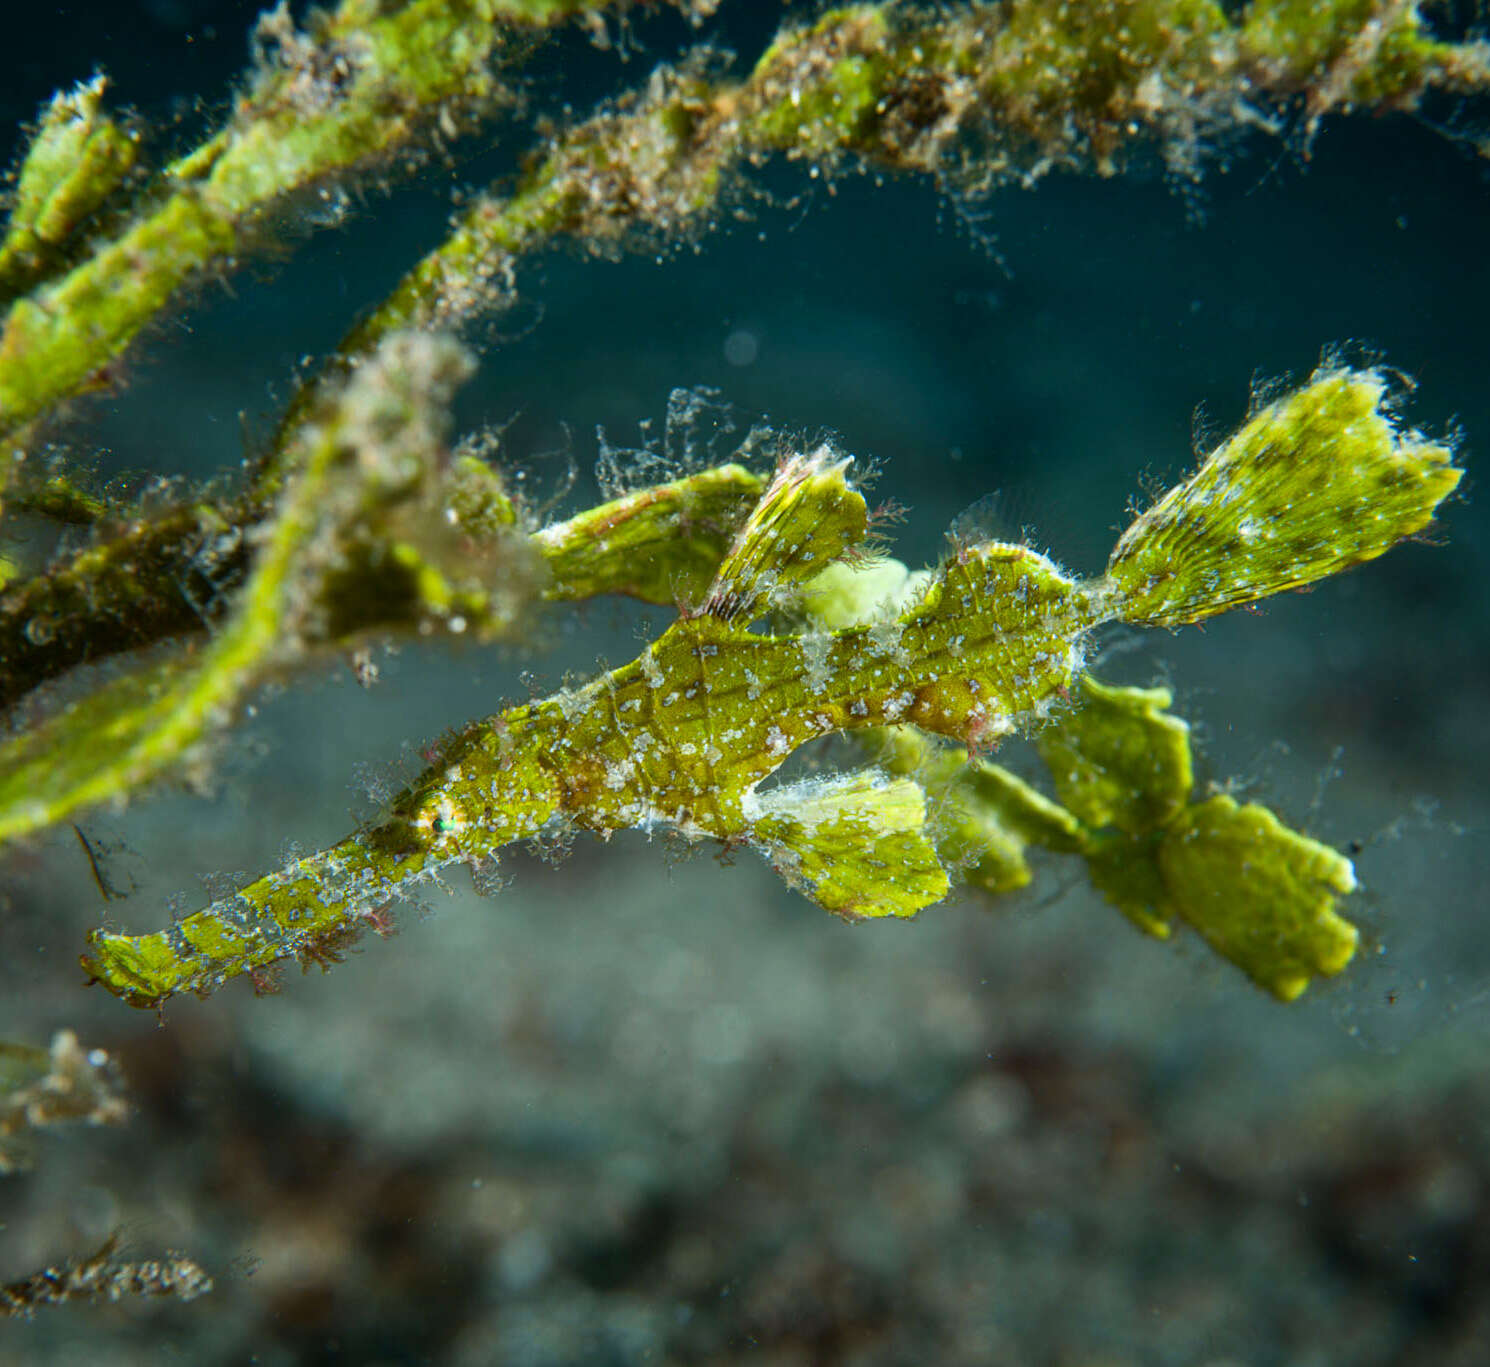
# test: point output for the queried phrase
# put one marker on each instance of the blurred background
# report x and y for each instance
(645, 1108)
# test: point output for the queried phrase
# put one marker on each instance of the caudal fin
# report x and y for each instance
(1319, 480)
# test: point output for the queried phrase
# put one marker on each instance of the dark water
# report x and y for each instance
(642, 1108)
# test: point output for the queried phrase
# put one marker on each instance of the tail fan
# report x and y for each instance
(1317, 481)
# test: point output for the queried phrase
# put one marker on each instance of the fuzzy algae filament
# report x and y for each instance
(684, 736)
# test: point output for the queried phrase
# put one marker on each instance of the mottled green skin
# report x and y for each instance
(1264, 897)
(679, 737)
(683, 736)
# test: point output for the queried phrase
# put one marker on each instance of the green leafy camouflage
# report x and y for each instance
(685, 736)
